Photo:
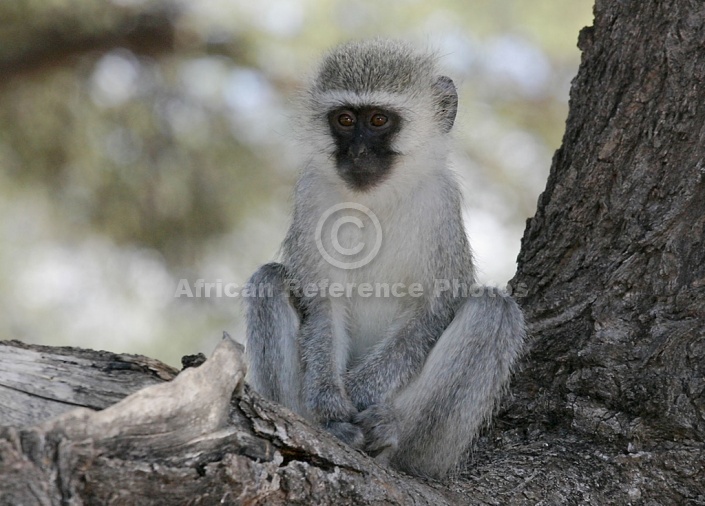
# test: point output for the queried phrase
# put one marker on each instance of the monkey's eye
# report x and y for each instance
(378, 120)
(346, 120)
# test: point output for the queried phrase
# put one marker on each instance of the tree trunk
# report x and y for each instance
(614, 265)
(608, 408)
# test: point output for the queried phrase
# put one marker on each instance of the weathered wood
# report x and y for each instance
(40, 382)
(199, 439)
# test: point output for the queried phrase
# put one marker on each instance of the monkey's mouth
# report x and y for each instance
(365, 172)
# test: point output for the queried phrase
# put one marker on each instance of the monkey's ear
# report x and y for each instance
(447, 99)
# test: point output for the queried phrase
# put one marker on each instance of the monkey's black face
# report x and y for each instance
(363, 138)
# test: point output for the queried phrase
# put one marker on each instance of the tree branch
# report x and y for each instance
(182, 442)
(44, 47)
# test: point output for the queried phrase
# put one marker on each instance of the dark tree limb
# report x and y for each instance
(37, 47)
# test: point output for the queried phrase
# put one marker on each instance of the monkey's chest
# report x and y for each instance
(377, 269)
(371, 320)
(380, 300)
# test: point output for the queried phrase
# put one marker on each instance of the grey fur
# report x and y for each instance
(416, 387)
(392, 67)
(273, 339)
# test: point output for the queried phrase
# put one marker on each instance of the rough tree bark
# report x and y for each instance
(609, 407)
(614, 266)
(201, 438)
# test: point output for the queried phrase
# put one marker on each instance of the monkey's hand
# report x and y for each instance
(347, 432)
(335, 412)
(380, 424)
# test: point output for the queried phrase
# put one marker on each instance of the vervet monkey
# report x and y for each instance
(409, 377)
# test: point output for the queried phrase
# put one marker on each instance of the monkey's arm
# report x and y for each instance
(398, 359)
(323, 388)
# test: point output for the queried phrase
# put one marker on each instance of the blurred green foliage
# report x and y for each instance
(142, 142)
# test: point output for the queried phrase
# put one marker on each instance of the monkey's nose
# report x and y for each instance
(358, 149)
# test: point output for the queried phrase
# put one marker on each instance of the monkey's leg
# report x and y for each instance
(274, 367)
(427, 429)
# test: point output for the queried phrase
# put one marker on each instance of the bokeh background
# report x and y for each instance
(146, 142)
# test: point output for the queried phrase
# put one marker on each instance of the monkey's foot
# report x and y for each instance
(347, 432)
(381, 427)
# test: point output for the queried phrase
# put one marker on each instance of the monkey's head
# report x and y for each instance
(380, 108)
